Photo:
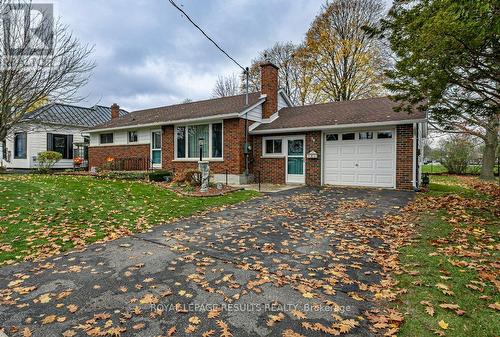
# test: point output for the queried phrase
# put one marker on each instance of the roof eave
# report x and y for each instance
(172, 122)
(337, 126)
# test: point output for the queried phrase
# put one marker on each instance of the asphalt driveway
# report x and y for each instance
(305, 262)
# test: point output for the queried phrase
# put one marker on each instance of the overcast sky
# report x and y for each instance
(148, 55)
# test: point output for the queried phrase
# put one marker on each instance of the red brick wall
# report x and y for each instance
(313, 166)
(269, 87)
(234, 160)
(99, 154)
(273, 170)
(404, 156)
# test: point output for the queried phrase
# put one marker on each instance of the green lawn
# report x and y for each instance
(439, 169)
(457, 246)
(41, 214)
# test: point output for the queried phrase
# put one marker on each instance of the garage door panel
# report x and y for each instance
(347, 164)
(348, 178)
(384, 164)
(348, 150)
(365, 164)
(369, 162)
(365, 179)
(384, 148)
(365, 149)
(384, 180)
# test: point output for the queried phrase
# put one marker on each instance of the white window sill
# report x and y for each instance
(192, 160)
(271, 156)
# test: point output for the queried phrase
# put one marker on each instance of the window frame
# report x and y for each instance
(107, 133)
(366, 133)
(385, 131)
(348, 133)
(186, 142)
(273, 155)
(332, 134)
(25, 145)
(128, 137)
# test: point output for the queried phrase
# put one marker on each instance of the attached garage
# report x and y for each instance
(360, 158)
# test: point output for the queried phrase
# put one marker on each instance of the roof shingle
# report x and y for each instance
(370, 110)
(192, 110)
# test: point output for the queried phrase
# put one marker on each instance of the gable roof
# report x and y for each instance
(210, 108)
(378, 110)
(65, 114)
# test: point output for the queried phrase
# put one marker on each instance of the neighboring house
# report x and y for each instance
(55, 127)
(355, 143)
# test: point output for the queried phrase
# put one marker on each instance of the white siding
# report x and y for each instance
(255, 114)
(120, 137)
(37, 142)
(281, 102)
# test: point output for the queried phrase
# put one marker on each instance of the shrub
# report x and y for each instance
(191, 177)
(159, 175)
(47, 159)
(456, 153)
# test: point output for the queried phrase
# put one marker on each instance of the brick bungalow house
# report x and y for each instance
(354, 143)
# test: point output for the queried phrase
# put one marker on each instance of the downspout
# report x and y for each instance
(245, 150)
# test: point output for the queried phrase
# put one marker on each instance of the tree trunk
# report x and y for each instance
(490, 149)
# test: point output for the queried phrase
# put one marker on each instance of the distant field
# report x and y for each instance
(438, 168)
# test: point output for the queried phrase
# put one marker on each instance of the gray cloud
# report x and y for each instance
(148, 55)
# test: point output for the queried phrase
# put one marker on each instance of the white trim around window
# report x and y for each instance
(210, 140)
(273, 155)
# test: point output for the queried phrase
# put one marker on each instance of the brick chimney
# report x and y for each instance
(269, 87)
(115, 111)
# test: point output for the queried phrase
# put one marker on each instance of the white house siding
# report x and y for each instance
(281, 102)
(37, 142)
(255, 114)
(120, 137)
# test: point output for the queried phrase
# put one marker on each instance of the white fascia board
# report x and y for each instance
(337, 126)
(285, 96)
(173, 122)
(273, 117)
(254, 125)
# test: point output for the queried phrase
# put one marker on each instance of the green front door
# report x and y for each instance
(295, 160)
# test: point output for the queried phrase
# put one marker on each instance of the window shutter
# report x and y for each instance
(69, 146)
(50, 142)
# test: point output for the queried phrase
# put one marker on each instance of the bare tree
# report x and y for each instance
(225, 86)
(347, 63)
(40, 61)
(293, 76)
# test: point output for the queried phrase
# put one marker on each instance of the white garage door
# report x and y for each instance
(364, 158)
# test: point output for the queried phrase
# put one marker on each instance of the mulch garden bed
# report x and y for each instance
(212, 191)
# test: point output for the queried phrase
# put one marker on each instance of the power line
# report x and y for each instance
(208, 37)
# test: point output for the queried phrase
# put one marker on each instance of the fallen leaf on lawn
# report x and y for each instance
(495, 306)
(443, 324)
(449, 306)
